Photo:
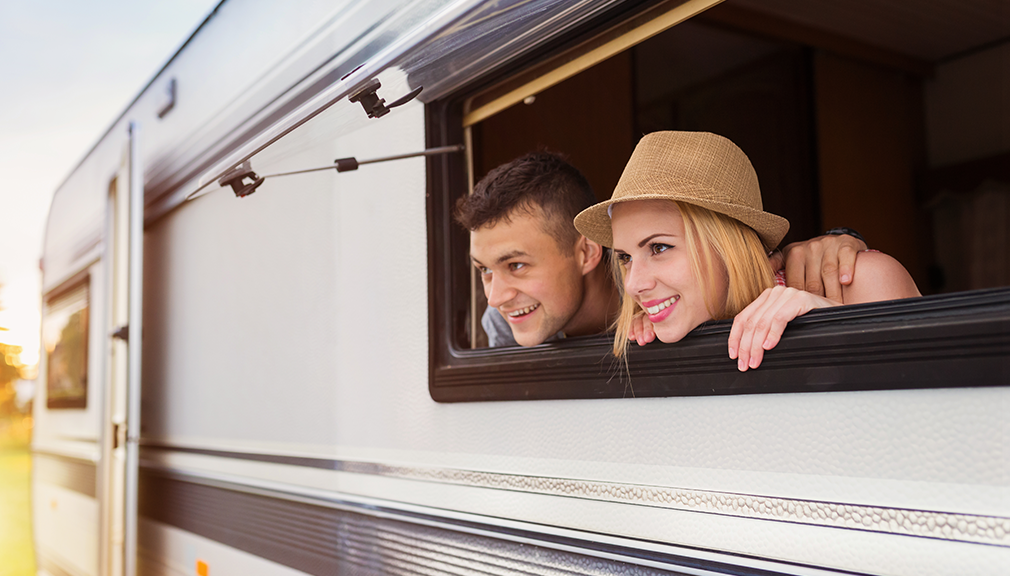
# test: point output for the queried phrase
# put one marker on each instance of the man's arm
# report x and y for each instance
(822, 265)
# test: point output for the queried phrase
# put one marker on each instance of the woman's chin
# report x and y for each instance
(673, 332)
(671, 336)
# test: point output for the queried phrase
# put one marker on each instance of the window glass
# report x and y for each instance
(65, 336)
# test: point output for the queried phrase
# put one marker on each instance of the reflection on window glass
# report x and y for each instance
(65, 335)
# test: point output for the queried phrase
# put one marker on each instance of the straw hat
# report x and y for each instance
(698, 168)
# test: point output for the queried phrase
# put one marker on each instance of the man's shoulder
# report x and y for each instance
(498, 331)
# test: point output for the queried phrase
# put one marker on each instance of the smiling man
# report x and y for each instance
(543, 280)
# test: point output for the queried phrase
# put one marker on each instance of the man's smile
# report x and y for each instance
(521, 313)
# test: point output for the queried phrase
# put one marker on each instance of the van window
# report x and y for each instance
(839, 134)
(65, 337)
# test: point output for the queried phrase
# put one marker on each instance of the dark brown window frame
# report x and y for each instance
(943, 341)
(950, 340)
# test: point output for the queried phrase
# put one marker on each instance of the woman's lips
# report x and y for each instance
(659, 310)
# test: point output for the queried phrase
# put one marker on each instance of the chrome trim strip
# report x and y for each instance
(969, 528)
(640, 557)
(135, 321)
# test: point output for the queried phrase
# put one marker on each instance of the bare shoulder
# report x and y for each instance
(878, 277)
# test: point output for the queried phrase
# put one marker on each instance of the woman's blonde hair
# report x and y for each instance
(718, 245)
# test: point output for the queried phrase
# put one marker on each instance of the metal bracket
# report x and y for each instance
(236, 179)
(376, 107)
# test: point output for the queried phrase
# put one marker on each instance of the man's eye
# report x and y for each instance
(484, 270)
(658, 248)
(514, 266)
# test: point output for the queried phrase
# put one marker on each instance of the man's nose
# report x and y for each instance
(499, 291)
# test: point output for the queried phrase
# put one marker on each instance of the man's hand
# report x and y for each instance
(641, 330)
(821, 265)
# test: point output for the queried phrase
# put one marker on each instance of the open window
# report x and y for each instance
(846, 124)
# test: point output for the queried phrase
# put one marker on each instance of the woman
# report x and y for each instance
(690, 242)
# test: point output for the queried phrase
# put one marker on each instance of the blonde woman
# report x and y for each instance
(690, 241)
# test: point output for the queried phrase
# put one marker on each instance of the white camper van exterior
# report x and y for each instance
(273, 384)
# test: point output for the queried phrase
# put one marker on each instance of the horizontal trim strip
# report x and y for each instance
(326, 536)
(47, 562)
(75, 474)
(976, 529)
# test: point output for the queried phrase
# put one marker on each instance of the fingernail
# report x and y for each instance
(753, 362)
(767, 345)
(741, 366)
(732, 352)
(845, 277)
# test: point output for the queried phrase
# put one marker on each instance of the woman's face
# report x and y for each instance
(649, 243)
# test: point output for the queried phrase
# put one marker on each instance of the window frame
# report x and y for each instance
(949, 340)
(79, 281)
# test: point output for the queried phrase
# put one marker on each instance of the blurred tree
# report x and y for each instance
(9, 374)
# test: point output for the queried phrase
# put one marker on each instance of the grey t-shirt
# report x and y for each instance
(499, 333)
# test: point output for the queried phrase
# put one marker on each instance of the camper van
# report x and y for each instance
(262, 342)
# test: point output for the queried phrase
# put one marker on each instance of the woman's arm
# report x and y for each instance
(879, 277)
(760, 325)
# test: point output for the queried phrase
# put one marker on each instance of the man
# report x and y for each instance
(543, 280)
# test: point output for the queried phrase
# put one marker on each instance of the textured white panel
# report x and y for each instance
(65, 525)
(239, 314)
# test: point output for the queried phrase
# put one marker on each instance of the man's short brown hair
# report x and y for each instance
(538, 181)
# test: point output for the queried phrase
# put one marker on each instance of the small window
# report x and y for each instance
(834, 132)
(65, 336)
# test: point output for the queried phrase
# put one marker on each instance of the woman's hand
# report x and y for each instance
(641, 330)
(760, 325)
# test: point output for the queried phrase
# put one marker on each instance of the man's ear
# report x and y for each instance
(589, 254)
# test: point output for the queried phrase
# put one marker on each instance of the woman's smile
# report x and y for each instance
(658, 310)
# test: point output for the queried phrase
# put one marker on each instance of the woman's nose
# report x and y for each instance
(638, 278)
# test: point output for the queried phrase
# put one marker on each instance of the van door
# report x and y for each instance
(121, 402)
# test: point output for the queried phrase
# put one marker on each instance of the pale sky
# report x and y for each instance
(67, 70)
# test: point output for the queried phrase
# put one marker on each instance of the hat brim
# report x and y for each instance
(594, 222)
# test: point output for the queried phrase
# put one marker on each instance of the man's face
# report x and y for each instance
(535, 286)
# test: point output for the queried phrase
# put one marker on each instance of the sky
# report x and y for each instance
(67, 70)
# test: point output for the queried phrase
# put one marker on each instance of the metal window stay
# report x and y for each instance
(437, 44)
(374, 107)
(236, 178)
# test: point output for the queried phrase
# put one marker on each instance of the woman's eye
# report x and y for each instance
(658, 248)
(624, 259)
